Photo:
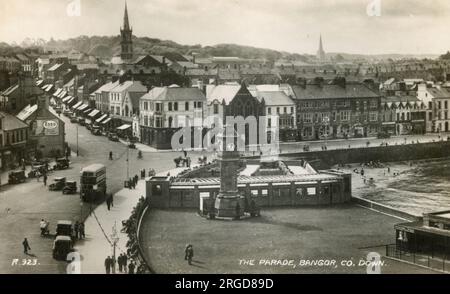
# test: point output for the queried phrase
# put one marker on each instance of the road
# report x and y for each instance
(23, 206)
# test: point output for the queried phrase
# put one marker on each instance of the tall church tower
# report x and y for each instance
(126, 33)
(321, 52)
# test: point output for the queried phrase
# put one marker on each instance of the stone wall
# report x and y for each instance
(391, 153)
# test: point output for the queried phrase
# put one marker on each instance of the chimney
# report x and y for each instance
(302, 82)
(340, 81)
(319, 81)
(164, 60)
(193, 58)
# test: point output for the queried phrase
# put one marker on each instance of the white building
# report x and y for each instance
(163, 110)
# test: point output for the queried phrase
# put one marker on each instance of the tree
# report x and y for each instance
(445, 56)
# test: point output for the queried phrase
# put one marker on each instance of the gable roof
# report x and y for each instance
(133, 86)
(174, 94)
(332, 91)
(10, 122)
(220, 93)
(439, 93)
(274, 98)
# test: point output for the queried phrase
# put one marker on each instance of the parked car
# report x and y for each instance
(58, 184)
(64, 228)
(70, 187)
(81, 121)
(61, 163)
(16, 177)
(96, 132)
(113, 137)
(383, 135)
(88, 127)
(62, 246)
(73, 119)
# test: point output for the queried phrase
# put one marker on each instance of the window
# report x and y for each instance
(264, 192)
(170, 106)
(216, 108)
(285, 110)
(446, 104)
(373, 116)
(278, 110)
(269, 122)
(373, 103)
(199, 105)
(146, 120)
(345, 116)
(254, 193)
(158, 107)
(307, 117)
(292, 109)
(269, 110)
(311, 191)
(439, 104)
(186, 106)
(175, 106)
(158, 122)
(145, 105)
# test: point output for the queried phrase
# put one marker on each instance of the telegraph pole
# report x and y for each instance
(128, 162)
(77, 143)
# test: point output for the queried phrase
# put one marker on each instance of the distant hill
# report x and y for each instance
(107, 46)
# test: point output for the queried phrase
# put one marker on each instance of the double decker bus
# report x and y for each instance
(93, 182)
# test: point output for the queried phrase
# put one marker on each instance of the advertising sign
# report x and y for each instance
(45, 128)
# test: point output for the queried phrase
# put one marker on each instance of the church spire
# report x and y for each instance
(126, 23)
(321, 52)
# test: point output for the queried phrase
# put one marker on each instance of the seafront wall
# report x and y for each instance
(385, 209)
(376, 153)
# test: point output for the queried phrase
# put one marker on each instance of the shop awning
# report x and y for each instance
(388, 123)
(70, 100)
(62, 94)
(57, 92)
(67, 98)
(101, 118)
(93, 113)
(82, 107)
(106, 121)
(77, 105)
(123, 127)
(87, 110)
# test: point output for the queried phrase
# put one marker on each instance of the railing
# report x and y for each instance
(434, 262)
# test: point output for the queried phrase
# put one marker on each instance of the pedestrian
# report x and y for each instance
(108, 265)
(26, 246)
(82, 233)
(110, 155)
(76, 228)
(108, 203)
(131, 267)
(124, 262)
(362, 172)
(189, 254)
(45, 179)
(119, 261)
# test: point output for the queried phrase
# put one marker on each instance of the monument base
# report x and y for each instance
(228, 206)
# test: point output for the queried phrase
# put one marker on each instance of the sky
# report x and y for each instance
(390, 26)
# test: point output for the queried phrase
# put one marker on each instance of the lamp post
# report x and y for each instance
(114, 240)
(77, 143)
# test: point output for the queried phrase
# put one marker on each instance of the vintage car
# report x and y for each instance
(67, 113)
(62, 246)
(70, 187)
(61, 163)
(58, 184)
(88, 127)
(64, 228)
(113, 137)
(73, 119)
(81, 121)
(383, 135)
(96, 131)
(16, 177)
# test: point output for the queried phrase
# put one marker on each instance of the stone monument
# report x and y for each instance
(229, 203)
